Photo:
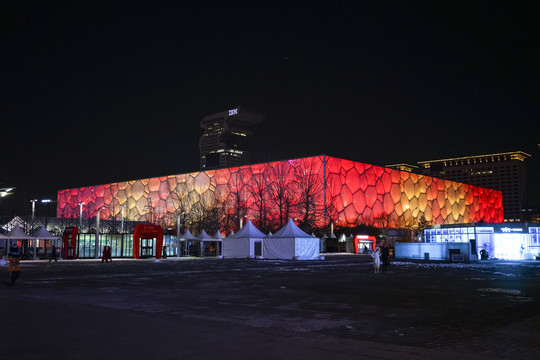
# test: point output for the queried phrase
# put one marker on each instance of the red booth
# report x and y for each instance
(70, 242)
(143, 238)
(364, 240)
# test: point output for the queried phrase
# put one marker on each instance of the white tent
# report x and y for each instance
(205, 238)
(43, 234)
(244, 243)
(15, 234)
(290, 242)
(184, 242)
(19, 234)
(218, 235)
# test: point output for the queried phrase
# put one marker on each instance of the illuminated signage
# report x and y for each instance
(362, 237)
(233, 112)
(507, 229)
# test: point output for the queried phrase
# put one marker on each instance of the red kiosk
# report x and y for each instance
(364, 240)
(70, 242)
(143, 241)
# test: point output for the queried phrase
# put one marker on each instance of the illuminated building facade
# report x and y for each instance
(504, 171)
(315, 190)
(226, 136)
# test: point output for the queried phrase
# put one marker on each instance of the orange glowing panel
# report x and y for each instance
(353, 193)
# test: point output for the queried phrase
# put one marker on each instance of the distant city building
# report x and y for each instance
(504, 171)
(403, 167)
(225, 141)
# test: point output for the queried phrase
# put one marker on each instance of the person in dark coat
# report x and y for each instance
(105, 256)
(53, 254)
(385, 255)
(109, 253)
(14, 258)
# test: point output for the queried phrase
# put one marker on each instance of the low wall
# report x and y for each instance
(436, 251)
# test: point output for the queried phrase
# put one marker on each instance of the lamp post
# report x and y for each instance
(179, 231)
(98, 216)
(6, 191)
(33, 208)
(241, 220)
(80, 215)
(122, 223)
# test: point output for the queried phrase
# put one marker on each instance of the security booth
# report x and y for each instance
(363, 241)
(69, 238)
(147, 241)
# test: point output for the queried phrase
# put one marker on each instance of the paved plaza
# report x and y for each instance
(208, 308)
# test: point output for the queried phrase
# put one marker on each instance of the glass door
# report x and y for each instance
(147, 248)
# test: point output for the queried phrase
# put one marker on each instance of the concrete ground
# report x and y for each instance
(207, 308)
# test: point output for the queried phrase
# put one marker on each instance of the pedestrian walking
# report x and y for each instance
(105, 254)
(53, 254)
(14, 258)
(376, 255)
(385, 257)
(109, 253)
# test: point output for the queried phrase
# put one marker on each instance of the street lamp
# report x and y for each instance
(33, 208)
(122, 224)
(241, 220)
(98, 215)
(179, 231)
(80, 215)
(5, 191)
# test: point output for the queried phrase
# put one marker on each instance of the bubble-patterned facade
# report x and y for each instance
(343, 191)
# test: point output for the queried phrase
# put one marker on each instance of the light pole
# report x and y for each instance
(242, 219)
(80, 215)
(122, 223)
(98, 215)
(6, 191)
(33, 208)
(179, 231)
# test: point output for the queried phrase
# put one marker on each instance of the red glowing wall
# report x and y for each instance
(343, 191)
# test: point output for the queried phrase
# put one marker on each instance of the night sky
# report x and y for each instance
(94, 92)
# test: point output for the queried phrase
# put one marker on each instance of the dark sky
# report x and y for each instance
(101, 91)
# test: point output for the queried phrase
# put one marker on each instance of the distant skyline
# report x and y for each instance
(100, 92)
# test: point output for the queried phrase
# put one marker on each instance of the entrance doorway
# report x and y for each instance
(69, 238)
(147, 248)
(147, 241)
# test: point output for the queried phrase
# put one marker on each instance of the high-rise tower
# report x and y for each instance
(225, 141)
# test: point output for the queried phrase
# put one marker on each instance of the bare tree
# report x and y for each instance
(258, 190)
(235, 205)
(310, 190)
(281, 190)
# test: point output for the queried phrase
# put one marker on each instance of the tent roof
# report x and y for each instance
(248, 231)
(189, 236)
(18, 233)
(218, 235)
(204, 236)
(291, 230)
(44, 234)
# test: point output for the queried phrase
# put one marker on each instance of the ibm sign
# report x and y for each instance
(233, 112)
